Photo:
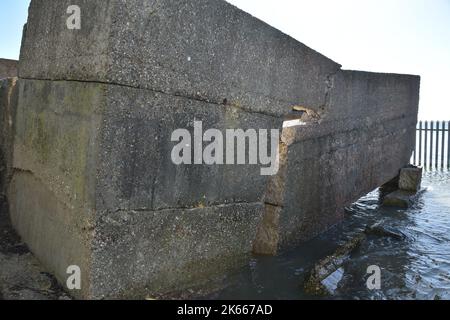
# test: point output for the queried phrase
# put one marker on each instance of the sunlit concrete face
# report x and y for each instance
(92, 150)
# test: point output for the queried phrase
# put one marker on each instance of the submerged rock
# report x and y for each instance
(382, 231)
(400, 199)
(329, 272)
(408, 189)
(331, 283)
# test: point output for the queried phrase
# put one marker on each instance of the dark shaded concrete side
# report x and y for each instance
(8, 104)
(179, 225)
(140, 253)
(94, 186)
(135, 169)
(356, 148)
(8, 68)
(333, 159)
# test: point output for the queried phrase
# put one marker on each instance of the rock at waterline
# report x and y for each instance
(329, 272)
(381, 231)
(410, 179)
(331, 283)
(401, 199)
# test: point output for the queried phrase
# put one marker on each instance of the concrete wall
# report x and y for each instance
(94, 184)
(368, 134)
(8, 104)
(8, 68)
(364, 136)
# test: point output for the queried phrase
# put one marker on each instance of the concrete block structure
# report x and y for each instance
(93, 183)
(8, 104)
(8, 68)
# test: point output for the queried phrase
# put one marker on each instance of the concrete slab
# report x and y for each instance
(204, 49)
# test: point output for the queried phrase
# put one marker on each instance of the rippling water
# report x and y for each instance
(415, 268)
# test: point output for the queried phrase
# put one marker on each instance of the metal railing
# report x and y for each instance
(432, 145)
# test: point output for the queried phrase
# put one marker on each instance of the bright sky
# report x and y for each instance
(398, 36)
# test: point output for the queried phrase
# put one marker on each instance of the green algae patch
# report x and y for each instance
(57, 124)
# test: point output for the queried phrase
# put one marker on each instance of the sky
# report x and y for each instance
(396, 36)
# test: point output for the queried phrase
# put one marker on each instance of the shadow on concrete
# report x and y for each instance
(21, 275)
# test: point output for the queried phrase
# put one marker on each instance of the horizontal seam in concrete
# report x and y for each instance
(20, 170)
(354, 128)
(222, 205)
(273, 204)
(176, 95)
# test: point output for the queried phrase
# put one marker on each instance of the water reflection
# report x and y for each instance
(415, 268)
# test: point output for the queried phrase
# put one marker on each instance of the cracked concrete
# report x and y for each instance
(229, 40)
(95, 186)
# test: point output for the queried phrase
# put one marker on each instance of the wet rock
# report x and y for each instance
(389, 187)
(409, 187)
(382, 231)
(329, 272)
(331, 283)
(400, 199)
(410, 179)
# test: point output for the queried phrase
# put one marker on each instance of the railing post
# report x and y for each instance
(436, 151)
(431, 143)
(443, 144)
(420, 143)
(414, 153)
(448, 145)
(425, 150)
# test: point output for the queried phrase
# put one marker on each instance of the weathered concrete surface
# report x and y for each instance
(96, 175)
(8, 104)
(363, 140)
(8, 68)
(204, 49)
(94, 184)
(410, 179)
(22, 277)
